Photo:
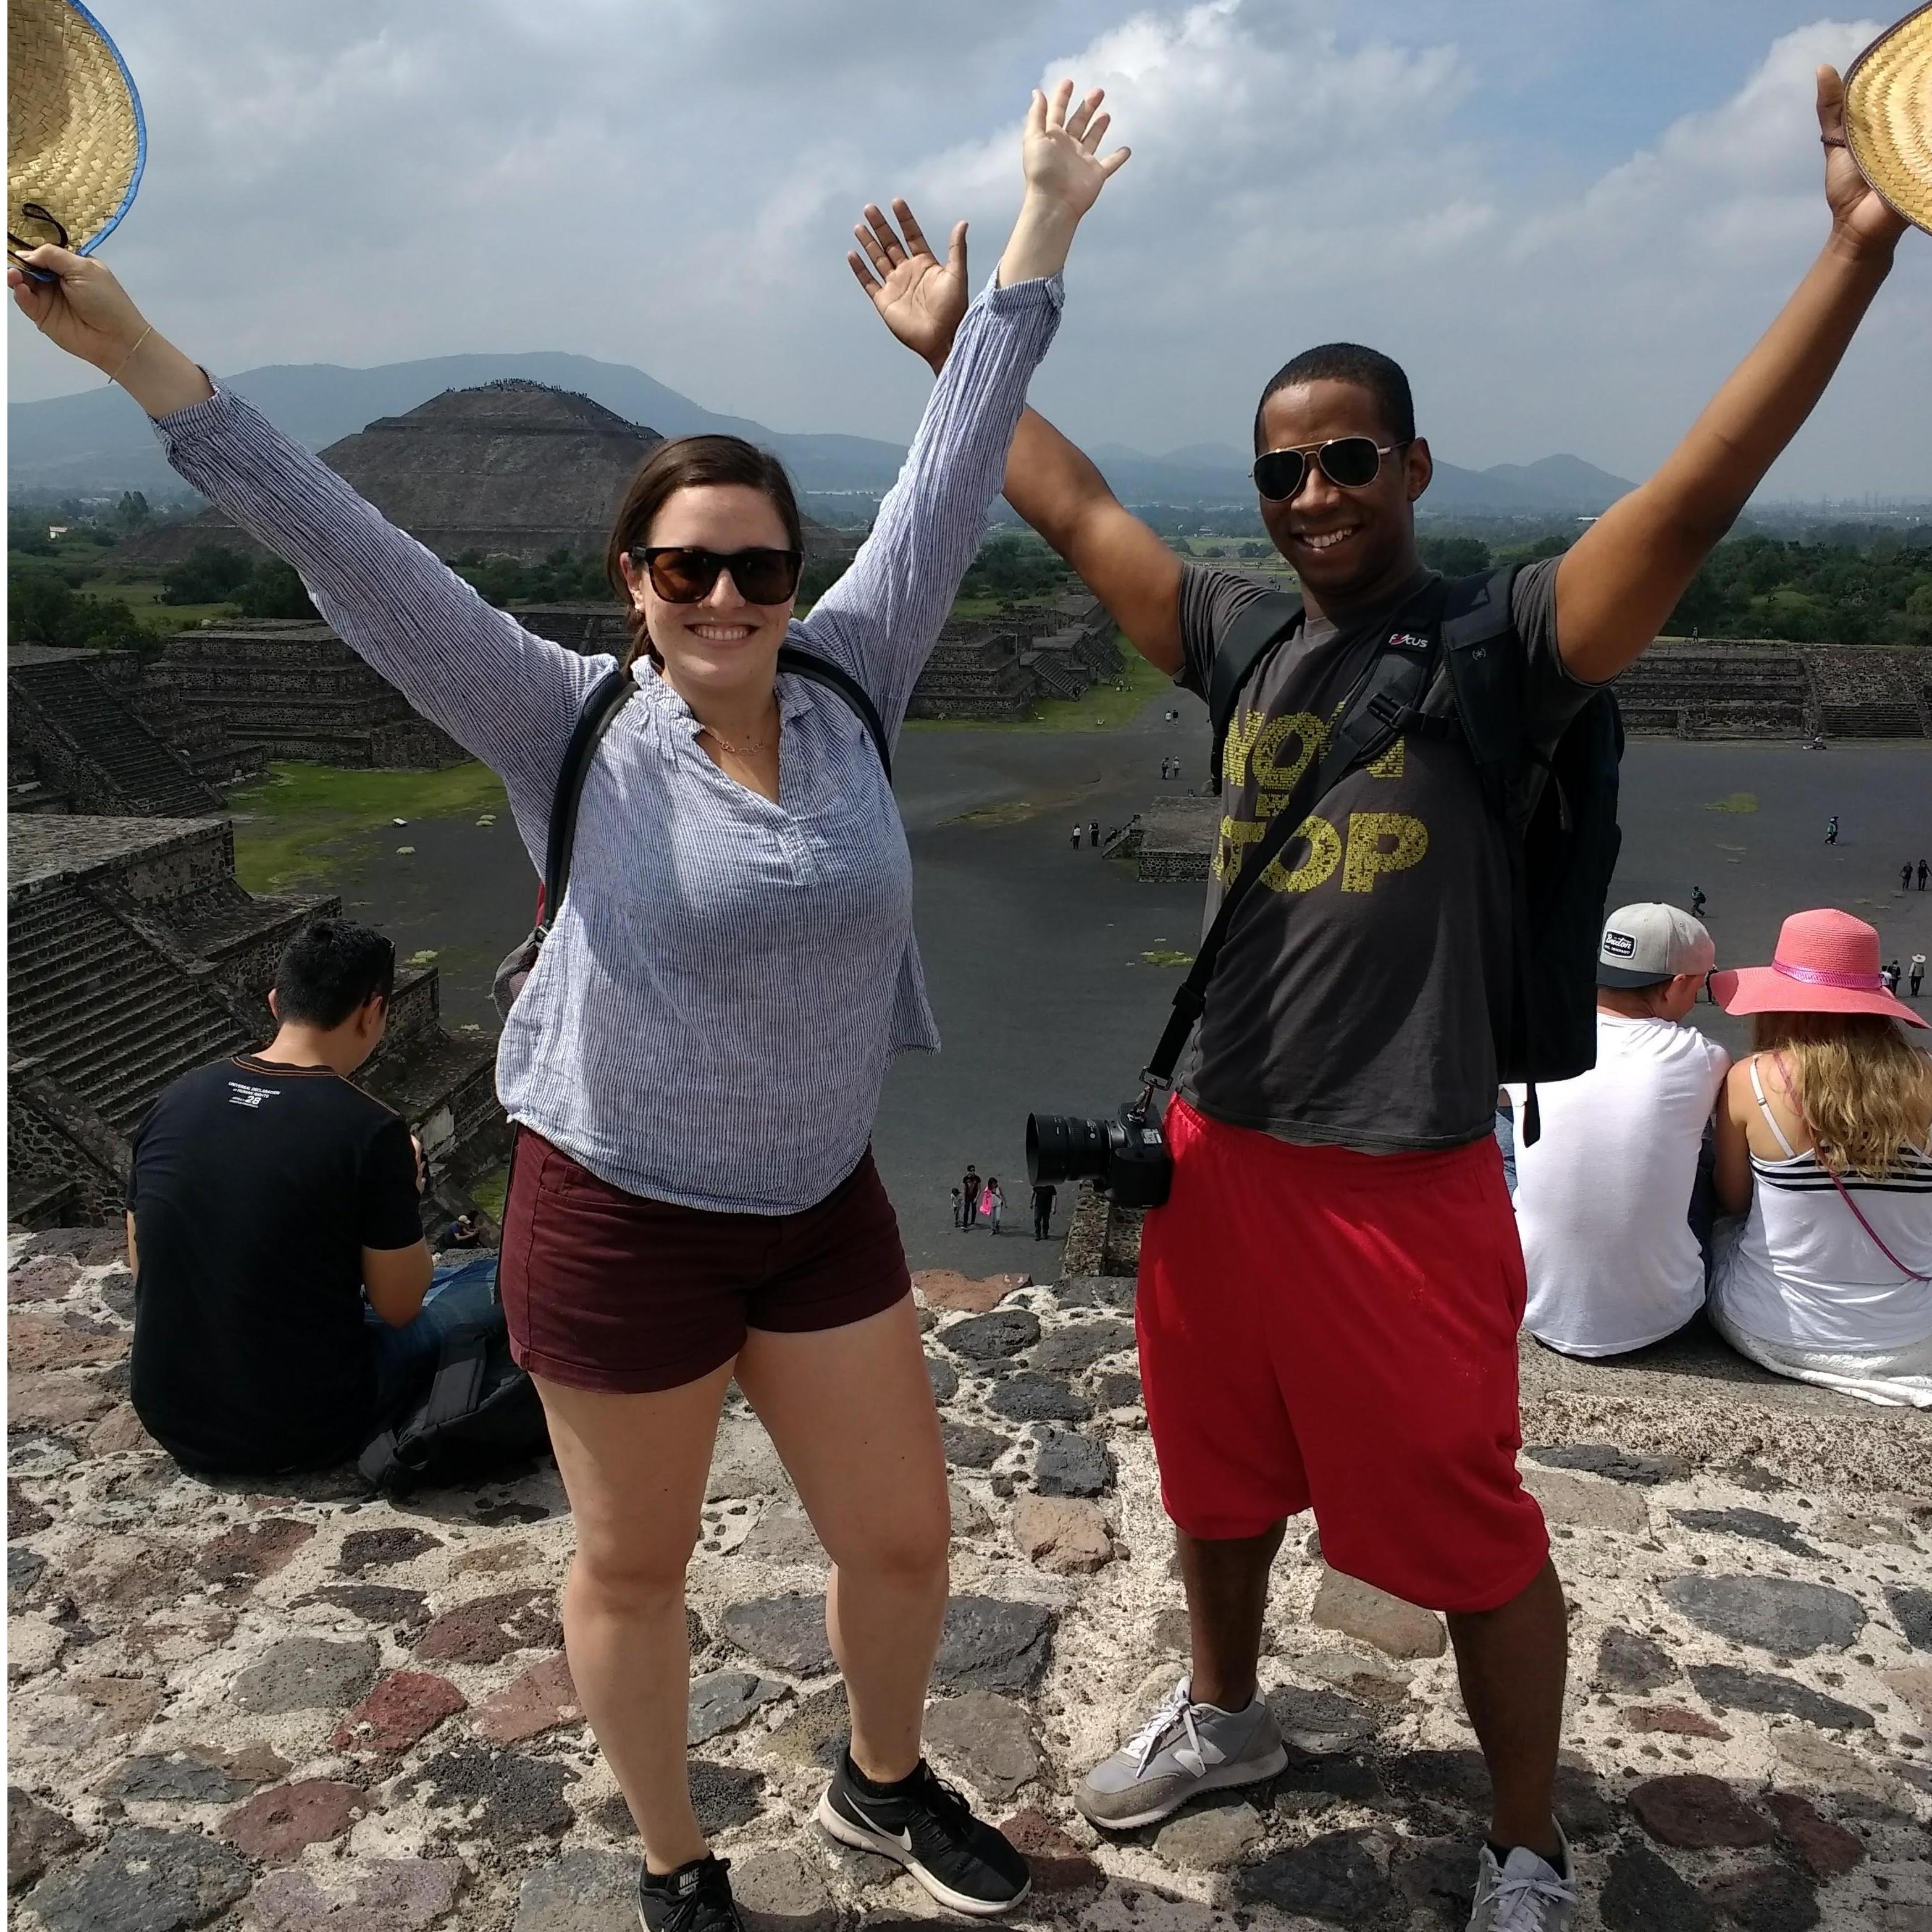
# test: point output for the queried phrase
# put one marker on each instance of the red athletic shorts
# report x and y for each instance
(606, 1290)
(1322, 1326)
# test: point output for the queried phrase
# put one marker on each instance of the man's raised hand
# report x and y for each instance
(919, 298)
(1859, 213)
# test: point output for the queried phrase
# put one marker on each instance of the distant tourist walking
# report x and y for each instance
(969, 1196)
(1905, 877)
(693, 1198)
(956, 1222)
(1890, 976)
(1917, 978)
(1076, 838)
(1825, 1144)
(1043, 1209)
(1924, 873)
(1831, 829)
(1697, 901)
(994, 1203)
(1094, 833)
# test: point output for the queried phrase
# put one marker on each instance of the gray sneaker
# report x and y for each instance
(1527, 1895)
(1182, 1748)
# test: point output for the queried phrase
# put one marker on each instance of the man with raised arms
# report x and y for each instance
(1328, 1303)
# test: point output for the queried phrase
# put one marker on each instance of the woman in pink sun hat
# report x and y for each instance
(1825, 1137)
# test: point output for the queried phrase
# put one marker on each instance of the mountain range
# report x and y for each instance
(93, 443)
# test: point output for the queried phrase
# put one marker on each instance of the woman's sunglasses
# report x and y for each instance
(680, 574)
(1349, 462)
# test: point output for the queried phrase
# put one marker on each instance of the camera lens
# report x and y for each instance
(1063, 1147)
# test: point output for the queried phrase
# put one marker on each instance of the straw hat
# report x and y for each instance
(1888, 115)
(1826, 962)
(75, 139)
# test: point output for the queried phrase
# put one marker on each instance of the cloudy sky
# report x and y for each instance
(1568, 218)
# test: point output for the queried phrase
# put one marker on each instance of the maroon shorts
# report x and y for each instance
(607, 1290)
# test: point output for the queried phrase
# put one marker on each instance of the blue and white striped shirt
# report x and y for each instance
(711, 1019)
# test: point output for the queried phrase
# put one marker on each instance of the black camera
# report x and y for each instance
(1126, 1157)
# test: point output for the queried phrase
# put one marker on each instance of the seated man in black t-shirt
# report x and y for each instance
(274, 1230)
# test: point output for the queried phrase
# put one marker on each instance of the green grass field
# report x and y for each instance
(142, 596)
(283, 824)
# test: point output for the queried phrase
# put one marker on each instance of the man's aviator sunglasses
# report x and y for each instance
(1350, 462)
(680, 574)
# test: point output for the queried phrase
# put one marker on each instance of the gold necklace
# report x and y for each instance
(724, 744)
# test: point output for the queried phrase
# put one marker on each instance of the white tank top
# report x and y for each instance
(1804, 1274)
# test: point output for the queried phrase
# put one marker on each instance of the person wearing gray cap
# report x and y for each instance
(1608, 1200)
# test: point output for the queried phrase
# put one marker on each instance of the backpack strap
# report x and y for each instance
(1262, 624)
(1386, 702)
(802, 663)
(1478, 626)
(608, 696)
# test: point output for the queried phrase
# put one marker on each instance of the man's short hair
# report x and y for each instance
(1368, 369)
(330, 969)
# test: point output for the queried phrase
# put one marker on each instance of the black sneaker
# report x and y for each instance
(923, 1824)
(696, 1897)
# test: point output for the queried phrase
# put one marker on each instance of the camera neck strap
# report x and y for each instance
(1386, 701)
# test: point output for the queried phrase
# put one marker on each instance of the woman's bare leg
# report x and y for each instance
(634, 1467)
(850, 1413)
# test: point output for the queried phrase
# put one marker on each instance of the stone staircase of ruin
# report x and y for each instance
(100, 1011)
(1671, 691)
(1059, 676)
(139, 774)
(1874, 693)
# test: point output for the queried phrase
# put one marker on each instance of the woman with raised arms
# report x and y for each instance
(695, 1064)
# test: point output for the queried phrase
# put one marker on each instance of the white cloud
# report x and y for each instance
(673, 185)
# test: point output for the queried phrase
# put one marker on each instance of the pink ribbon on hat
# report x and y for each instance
(1820, 976)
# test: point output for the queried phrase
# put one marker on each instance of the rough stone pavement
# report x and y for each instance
(286, 1708)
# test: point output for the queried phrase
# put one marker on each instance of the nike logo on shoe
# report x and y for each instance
(901, 1838)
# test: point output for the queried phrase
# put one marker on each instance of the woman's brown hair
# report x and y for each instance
(1861, 1083)
(685, 462)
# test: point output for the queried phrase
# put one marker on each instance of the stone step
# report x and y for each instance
(126, 1015)
(118, 1083)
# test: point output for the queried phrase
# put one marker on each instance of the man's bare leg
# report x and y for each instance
(1226, 1581)
(1511, 1662)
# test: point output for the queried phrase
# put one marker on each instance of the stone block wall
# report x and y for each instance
(293, 689)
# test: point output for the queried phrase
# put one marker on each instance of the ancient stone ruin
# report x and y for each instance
(134, 955)
(512, 469)
(1000, 666)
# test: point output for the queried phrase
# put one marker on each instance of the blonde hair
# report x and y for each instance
(1861, 1084)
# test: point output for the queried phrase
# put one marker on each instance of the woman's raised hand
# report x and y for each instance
(1065, 173)
(919, 298)
(83, 310)
(1060, 150)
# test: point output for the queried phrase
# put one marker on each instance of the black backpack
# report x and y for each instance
(1558, 812)
(480, 1414)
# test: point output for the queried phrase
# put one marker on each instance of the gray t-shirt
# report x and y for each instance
(1356, 998)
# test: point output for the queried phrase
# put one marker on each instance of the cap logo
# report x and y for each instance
(1619, 945)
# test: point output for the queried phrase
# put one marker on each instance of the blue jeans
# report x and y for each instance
(459, 1293)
